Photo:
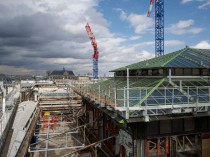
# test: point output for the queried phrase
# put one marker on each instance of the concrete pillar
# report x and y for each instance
(128, 97)
(140, 148)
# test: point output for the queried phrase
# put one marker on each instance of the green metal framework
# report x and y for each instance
(185, 58)
(153, 96)
(158, 95)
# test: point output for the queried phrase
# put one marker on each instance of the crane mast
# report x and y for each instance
(159, 25)
(95, 48)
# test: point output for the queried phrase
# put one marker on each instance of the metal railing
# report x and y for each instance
(150, 101)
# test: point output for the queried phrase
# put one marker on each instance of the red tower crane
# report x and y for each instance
(95, 48)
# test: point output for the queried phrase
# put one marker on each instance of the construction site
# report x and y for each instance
(158, 107)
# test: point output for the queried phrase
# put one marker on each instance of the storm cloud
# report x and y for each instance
(41, 35)
(37, 34)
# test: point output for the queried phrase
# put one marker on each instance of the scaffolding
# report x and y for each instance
(150, 96)
(54, 132)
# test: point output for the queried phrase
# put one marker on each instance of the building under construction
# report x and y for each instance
(157, 107)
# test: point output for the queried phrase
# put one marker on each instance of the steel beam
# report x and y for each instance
(51, 149)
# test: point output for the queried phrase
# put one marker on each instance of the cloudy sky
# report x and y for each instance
(41, 35)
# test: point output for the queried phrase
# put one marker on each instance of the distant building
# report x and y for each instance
(38, 77)
(61, 74)
(83, 78)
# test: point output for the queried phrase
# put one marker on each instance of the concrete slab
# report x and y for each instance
(22, 121)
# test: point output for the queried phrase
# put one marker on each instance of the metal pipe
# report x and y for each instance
(180, 84)
(53, 149)
(115, 97)
(56, 133)
(109, 92)
(62, 123)
(99, 92)
(124, 96)
(3, 105)
(197, 99)
(188, 95)
(66, 140)
(127, 107)
(47, 142)
(169, 75)
(146, 102)
(173, 98)
(165, 94)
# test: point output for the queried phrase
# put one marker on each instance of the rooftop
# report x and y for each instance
(185, 58)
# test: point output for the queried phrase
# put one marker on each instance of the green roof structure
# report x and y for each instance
(165, 94)
(185, 58)
(154, 95)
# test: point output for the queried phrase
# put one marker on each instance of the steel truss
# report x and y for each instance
(159, 28)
